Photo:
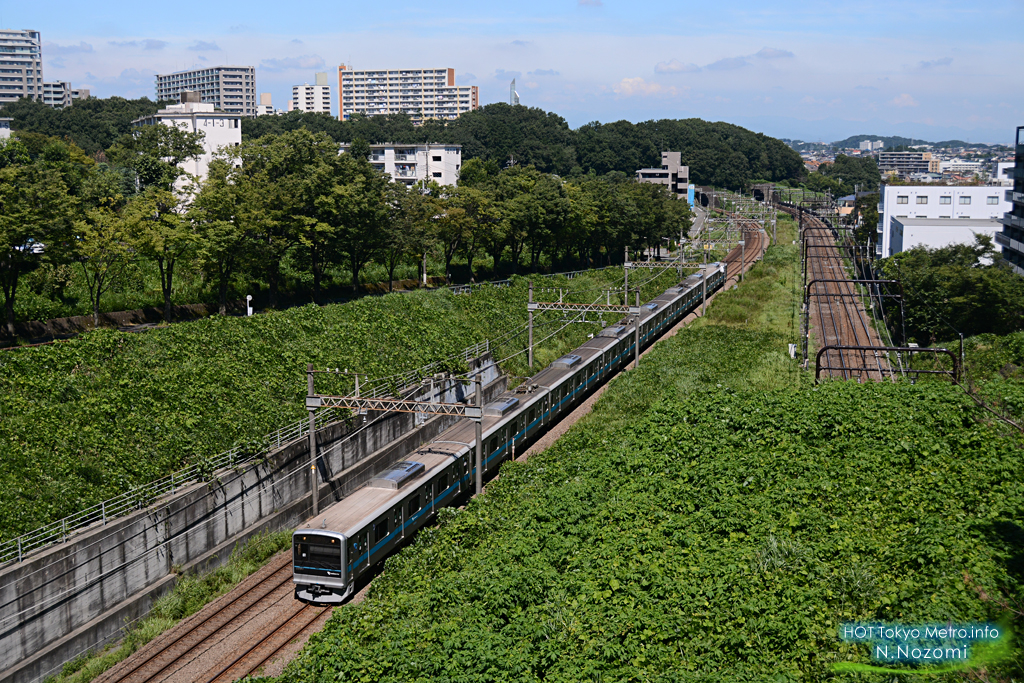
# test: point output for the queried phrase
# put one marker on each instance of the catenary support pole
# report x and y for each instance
(530, 323)
(637, 363)
(313, 488)
(479, 435)
(704, 282)
(625, 287)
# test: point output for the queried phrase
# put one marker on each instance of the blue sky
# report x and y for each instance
(825, 70)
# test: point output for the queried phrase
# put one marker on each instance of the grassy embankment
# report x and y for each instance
(716, 517)
(87, 419)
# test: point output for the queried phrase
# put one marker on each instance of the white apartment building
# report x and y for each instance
(5, 128)
(961, 167)
(869, 146)
(231, 89)
(1004, 174)
(220, 129)
(312, 98)
(409, 164)
(420, 93)
(936, 215)
(21, 65)
(57, 94)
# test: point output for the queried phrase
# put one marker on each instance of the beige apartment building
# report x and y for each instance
(419, 93)
(672, 174)
(905, 163)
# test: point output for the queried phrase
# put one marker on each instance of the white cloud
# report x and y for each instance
(203, 46)
(543, 72)
(521, 43)
(674, 66)
(629, 87)
(944, 61)
(55, 49)
(903, 100)
(728, 64)
(772, 53)
(288, 63)
(503, 75)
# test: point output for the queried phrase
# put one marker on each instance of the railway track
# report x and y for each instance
(254, 623)
(836, 312)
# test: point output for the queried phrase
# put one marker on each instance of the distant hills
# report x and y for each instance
(890, 141)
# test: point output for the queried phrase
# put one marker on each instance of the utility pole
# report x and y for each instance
(743, 258)
(625, 288)
(479, 432)
(637, 363)
(704, 282)
(313, 483)
(530, 318)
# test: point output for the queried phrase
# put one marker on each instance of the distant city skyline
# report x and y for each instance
(935, 70)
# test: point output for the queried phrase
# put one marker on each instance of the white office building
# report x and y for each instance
(409, 164)
(961, 167)
(936, 215)
(220, 129)
(21, 65)
(419, 93)
(232, 89)
(312, 98)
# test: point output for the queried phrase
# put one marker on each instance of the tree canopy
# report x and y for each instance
(719, 154)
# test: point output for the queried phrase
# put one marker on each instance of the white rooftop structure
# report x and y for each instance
(935, 203)
(409, 164)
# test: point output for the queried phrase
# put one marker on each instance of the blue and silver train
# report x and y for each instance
(350, 537)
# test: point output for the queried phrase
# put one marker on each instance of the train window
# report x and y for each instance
(414, 505)
(428, 493)
(353, 551)
(494, 445)
(442, 483)
(532, 414)
(397, 518)
(380, 530)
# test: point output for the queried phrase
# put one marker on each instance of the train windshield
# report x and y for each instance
(317, 554)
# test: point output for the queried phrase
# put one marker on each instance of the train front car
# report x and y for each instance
(318, 567)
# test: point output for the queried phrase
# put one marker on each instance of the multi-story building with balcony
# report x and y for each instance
(232, 89)
(409, 164)
(672, 174)
(1011, 238)
(21, 65)
(312, 98)
(419, 93)
(936, 215)
(905, 163)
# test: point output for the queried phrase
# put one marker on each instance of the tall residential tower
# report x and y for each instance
(232, 89)
(21, 65)
(420, 93)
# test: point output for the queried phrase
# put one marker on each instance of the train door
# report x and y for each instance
(428, 496)
(399, 520)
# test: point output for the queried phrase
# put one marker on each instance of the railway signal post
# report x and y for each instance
(313, 488)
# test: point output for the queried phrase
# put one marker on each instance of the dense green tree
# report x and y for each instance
(222, 236)
(156, 153)
(93, 124)
(960, 288)
(159, 229)
(34, 211)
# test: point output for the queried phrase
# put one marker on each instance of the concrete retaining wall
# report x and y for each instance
(78, 596)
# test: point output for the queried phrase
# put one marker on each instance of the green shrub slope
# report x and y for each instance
(84, 420)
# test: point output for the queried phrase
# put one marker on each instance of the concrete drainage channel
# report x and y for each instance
(78, 596)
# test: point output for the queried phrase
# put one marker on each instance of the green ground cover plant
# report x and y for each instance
(716, 518)
(87, 419)
(191, 593)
